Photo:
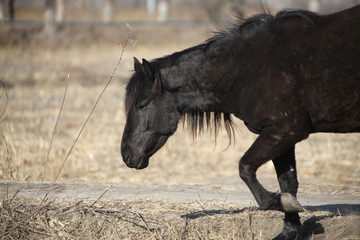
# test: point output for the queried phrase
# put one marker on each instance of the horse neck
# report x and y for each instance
(195, 80)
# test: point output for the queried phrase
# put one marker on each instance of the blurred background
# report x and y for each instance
(45, 42)
(108, 11)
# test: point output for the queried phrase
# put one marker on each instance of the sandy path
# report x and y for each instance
(330, 198)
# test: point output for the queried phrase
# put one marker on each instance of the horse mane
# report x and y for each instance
(247, 27)
(198, 120)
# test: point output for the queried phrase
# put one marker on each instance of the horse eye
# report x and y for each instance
(143, 104)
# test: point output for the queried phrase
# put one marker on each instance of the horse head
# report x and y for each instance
(152, 116)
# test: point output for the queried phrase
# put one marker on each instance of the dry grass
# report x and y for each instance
(157, 220)
(35, 85)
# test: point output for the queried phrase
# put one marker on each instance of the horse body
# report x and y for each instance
(285, 76)
(319, 73)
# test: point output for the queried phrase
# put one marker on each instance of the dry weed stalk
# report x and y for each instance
(53, 134)
(249, 214)
(7, 170)
(5, 95)
(89, 116)
(101, 196)
(185, 228)
(3, 118)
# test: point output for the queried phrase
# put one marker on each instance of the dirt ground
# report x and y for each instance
(35, 69)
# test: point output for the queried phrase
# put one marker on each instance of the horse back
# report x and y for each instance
(323, 56)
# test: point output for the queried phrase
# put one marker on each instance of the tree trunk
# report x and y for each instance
(151, 6)
(108, 11)
(60, 11)
(49, 20)
(314, 5)
(163, 11)
(2, 10)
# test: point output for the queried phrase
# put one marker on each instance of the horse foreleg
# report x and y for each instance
(285, 167)
(271, 143)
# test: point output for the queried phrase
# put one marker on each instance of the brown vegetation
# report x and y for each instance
(24, 219)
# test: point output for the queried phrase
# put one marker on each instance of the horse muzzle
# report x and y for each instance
(138, 164)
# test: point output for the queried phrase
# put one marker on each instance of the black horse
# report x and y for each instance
(286, 76)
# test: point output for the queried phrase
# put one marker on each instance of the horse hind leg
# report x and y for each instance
(271, 143)
(285, 167)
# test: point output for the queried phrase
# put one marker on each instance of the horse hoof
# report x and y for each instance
(290, 204)
(290, 231)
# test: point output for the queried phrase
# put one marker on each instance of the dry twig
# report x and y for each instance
(100, 196)
(53, 134)
(250, 224)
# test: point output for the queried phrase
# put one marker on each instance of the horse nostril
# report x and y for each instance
(126, 159)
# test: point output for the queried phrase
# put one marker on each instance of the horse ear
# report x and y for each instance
(146, 68)
(137, 65)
